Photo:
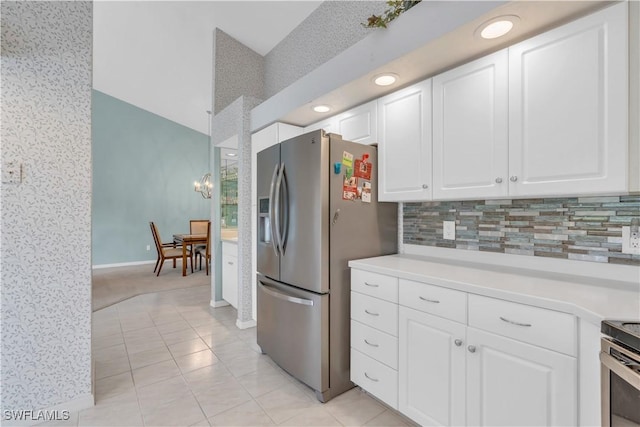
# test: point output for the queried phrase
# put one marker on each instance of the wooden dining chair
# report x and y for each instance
(166, 250)
(205, 251)
(197, 226)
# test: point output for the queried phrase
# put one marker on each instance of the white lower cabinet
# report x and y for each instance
(230, 273)
(506, 364)
(510, 383)
(431, 369)
(375, 377)
(374, 334)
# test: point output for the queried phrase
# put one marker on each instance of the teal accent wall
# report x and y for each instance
(144, 167)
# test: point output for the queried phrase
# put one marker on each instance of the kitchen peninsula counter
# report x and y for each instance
(590, 299)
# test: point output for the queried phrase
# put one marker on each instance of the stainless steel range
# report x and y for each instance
(620, 368)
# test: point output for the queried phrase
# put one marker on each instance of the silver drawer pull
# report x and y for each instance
(372, 379)
(372, 345)
(373, 285)
(515, 323)
(372, 314)
(429, 300)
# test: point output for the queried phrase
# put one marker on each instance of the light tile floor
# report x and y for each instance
(169, 359)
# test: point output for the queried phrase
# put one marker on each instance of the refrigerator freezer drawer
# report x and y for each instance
(294, 331)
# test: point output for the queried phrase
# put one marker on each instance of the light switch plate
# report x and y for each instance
(11, 173)
(630, 242)
(449, 230)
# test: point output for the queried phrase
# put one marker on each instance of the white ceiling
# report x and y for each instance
(157, 55)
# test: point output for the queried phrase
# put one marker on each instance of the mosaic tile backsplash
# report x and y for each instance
(577, 228)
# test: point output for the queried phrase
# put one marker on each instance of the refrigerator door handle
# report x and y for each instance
(284, 187)
(285, 297)
(277, 225)
(272, 214)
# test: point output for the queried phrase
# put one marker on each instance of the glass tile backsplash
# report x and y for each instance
(578, 228)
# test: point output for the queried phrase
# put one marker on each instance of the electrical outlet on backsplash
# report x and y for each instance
(577, 228)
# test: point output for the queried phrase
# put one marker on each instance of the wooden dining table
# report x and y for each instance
(188, 240)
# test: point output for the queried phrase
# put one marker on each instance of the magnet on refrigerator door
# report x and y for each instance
(350, 188)
(366, 192)
(347, 159)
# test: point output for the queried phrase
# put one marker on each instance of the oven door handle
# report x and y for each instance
(618, 368)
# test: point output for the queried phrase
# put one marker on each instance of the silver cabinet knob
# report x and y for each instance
(471, 348)
(513, 178)
(499, 180)
(458, 343)
(425, 186)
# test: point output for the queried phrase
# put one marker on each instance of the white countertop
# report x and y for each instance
(586, 300)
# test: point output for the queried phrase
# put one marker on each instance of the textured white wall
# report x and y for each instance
(238, 71)
(46, 220)
(330, 29)
(234, 120)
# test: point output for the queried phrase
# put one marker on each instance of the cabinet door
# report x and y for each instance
(230, 273)
(510, 383)
(404, 133)
(431, 369)
(330, 125)
(568, 108)
(470, 130)
(359, 124)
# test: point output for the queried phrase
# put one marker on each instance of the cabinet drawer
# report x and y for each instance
(374, 343)
(374, 284)
(374, 377)
(436, 300)
(545, 328)
(374, 312)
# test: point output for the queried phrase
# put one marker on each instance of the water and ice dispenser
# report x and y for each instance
(264, 222)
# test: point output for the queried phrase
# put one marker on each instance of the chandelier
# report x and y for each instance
(204, 186)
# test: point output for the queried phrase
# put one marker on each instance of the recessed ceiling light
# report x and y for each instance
(231, 154)
(386, 79)
(497, 27)
(321, 108)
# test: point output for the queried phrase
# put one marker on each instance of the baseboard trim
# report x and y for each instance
(56, 411)
(216, 304)
(246, 324)
(123, 264)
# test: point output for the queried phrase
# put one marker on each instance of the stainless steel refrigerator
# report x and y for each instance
(317, 209)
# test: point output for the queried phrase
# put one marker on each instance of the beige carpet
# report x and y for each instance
(112, 285)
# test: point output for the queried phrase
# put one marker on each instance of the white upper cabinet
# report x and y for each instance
(330, 125)
(404, 134)
(359, 124)
(568, 108)
(470, 130)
